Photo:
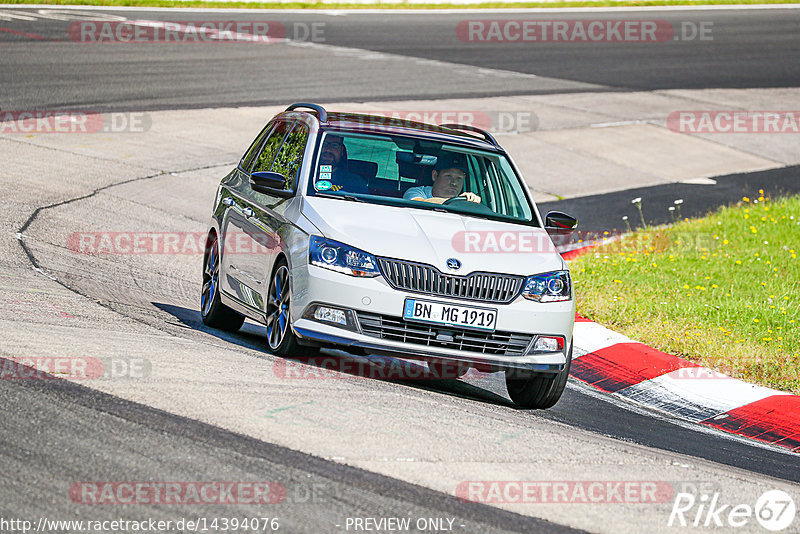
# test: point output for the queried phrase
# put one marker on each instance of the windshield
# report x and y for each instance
(422, 174)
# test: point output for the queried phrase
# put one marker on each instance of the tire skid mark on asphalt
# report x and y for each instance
(24, 34)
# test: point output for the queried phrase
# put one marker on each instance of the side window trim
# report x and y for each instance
(298, 171)
(492, 186)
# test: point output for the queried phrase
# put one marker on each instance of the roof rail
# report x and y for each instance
(486, 135)
(322, 115)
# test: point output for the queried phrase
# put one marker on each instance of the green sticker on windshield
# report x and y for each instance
(323, 185)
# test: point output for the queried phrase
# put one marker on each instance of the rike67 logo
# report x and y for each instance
(774, 510)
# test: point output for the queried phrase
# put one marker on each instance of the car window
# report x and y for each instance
(389, 166)
(376, 150)
(249, 156)
(271, 147)
(290, 157)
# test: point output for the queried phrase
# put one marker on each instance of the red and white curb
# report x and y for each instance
(634, 371)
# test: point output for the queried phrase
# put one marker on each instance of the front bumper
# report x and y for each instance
(374, 296)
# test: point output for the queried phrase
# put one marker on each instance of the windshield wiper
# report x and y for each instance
(351, 198)
(441, 209)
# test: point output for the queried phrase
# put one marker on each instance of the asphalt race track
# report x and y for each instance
(749, 49)
(210, 406)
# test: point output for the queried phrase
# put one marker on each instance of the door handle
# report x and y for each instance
(247, 212)
(228, 201)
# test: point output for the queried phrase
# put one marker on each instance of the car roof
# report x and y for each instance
(394, 125)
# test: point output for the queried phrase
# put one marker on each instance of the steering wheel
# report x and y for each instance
(454, 200)
(462, 204)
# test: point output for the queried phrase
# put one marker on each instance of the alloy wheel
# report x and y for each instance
(210, 279)
(278, 308)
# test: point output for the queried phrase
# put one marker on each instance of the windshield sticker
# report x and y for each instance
(325, 168)
(323, 185)
(324, 176)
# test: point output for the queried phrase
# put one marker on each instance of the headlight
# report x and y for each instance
(548, 287)
(341, 258)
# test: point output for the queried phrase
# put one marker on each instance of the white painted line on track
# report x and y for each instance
(620, 123)
(342, 51)
(421, 12)
(457, 68)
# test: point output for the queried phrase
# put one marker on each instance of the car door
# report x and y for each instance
(264, 215)
(245, 245)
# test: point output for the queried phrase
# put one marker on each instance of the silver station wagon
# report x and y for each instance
(390, 237)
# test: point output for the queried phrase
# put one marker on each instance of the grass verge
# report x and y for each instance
(722, 290)
(380, 4)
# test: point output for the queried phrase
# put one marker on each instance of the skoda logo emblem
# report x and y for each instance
(453, 264)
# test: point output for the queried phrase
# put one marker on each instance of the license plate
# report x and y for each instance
(429, 311)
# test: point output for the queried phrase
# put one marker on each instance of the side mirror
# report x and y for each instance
(558, 223)
(271, 183)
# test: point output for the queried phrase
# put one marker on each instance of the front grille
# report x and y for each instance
(396, 329)
(420, 278)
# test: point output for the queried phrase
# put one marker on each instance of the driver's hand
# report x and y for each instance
(472, 197)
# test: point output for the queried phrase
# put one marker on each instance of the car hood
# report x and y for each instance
(432, 237)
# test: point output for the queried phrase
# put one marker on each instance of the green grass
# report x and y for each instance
(722, 290)
(392, 4)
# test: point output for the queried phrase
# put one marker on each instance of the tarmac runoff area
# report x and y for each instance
(567, 145)
(144, 306)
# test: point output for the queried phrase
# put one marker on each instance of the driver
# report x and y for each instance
(448, 181)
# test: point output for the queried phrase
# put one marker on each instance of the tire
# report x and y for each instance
(537, 390)
(215, 314)
(280, 338)
(444, 370)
